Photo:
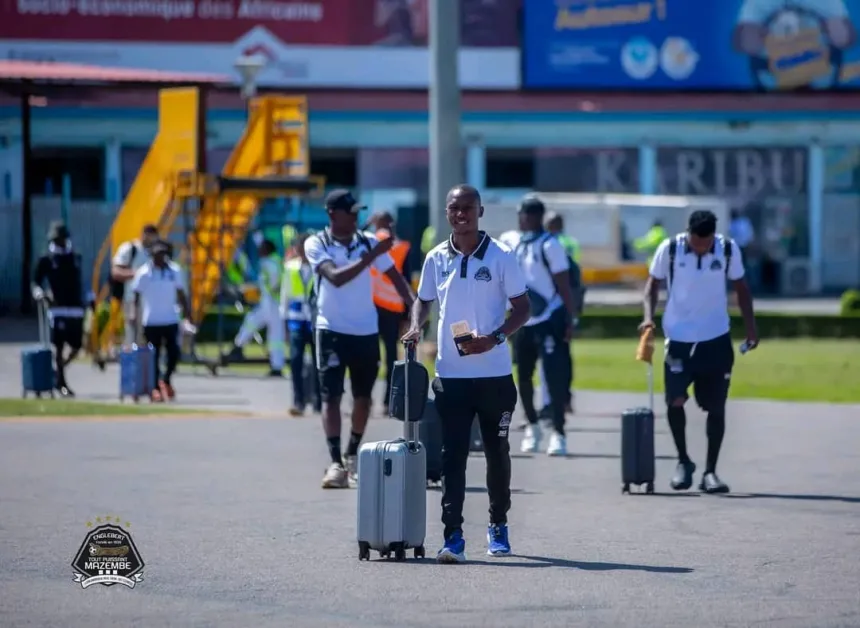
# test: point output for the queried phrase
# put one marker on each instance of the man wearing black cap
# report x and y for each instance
(61, 269)
(346, 323)
(699, 352)
(157, 287)
(546, 335)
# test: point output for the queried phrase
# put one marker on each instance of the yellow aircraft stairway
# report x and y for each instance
(270, 160)
(177, 147)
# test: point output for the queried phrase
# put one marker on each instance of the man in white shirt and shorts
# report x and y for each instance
(346, 324)
(695, 267)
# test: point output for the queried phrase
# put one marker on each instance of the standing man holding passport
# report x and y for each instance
(474, 278)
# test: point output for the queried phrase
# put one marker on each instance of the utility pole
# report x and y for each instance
(446, 160)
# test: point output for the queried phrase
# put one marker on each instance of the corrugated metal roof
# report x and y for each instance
(77, 73)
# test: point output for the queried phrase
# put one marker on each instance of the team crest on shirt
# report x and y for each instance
(483, 274)
(716, 265)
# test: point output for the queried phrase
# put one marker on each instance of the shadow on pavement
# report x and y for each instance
(811, 498)
(483, 489)
(538, 562)
(613, 456)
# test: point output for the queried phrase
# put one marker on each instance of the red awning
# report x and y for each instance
(15, 71)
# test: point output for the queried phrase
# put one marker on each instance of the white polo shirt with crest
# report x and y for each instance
(697, 307)
(476, 289)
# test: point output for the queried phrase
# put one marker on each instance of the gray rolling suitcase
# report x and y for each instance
(637, 443)
(392, 490)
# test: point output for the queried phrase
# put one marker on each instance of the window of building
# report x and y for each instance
(337, 165)
(84, 166)
(510, 168)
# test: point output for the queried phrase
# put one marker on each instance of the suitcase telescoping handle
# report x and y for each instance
(651, 387)
(44, 323)
(410, 427)
(645, 353)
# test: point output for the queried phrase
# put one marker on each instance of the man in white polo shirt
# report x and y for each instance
(546, 335)
(474, 278)
(346, 323)
(699, 350)
(158, 287)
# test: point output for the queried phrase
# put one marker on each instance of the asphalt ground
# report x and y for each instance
(229, 518)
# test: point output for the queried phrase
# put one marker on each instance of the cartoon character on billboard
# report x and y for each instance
(794, 43)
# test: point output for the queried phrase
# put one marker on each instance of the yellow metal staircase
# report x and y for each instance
(270, 160)
(177, 147)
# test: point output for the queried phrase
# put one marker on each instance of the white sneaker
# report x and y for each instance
(351, 463)
(335, 477)
(557, 445)
(531, 439)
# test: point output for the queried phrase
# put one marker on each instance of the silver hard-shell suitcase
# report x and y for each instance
(392, 492)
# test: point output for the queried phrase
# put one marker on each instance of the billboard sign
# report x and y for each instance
(684, 45)
(323, 43)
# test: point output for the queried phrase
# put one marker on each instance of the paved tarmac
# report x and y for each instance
(229, 518)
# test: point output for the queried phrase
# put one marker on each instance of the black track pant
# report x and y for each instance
(545, 341)
(167, 336)
(493, 400)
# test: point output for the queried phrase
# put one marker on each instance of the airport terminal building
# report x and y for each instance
(541, 111)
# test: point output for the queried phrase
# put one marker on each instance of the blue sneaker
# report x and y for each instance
(454, 550)
(497, 541)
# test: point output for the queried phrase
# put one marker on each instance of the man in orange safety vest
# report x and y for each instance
(389, 306)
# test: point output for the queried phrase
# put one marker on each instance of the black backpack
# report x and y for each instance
(313, 295)
(574, 275)
(117, 288)
(673, 252)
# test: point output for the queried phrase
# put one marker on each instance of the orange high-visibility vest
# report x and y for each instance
(384, 293)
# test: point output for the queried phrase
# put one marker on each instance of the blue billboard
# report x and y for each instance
(662, 45)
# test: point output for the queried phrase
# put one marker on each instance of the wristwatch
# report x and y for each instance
(500, 336)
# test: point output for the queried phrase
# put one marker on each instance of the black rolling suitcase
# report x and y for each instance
(430, 435)
(637, 442)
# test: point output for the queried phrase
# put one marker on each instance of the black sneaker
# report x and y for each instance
(65, 391)
(276, 373)
(683, 478)
(712, 484)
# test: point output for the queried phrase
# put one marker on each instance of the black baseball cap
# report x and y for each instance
(160, 247)
(532, 205)
(58, 231)
(343, 200)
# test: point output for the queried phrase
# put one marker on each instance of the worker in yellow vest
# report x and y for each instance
(650, 242)
(296, 289)
(389, 306)
(266, 313)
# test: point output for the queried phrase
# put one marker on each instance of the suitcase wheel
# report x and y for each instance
(400, 553)
(625, 489)
(649, 488)
(419, 552)
(38, 395)
(363, 551)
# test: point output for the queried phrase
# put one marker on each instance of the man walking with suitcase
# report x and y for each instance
(474, 278)
(158, 286)
(346, 324)
(695, 266)
(60, 269)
